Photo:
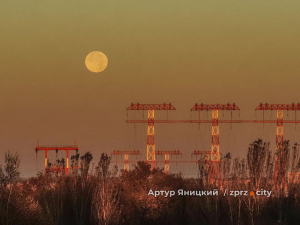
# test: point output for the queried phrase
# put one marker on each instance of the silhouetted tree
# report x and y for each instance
(107, 194)
(85, 163)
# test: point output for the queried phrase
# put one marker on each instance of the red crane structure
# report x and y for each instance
(126, 156)
(279, 129)
(215, 121)
(167, 154)
(215, 170)
(150, 131)
(56, 148)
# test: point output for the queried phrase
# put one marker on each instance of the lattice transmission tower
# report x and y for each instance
(167, 154)
(215, 169)
(150, 131)
(280, 108)
(126, 156)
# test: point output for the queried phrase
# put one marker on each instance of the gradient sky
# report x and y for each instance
(175, 51)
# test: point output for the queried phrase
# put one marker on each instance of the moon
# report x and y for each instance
(96, 61)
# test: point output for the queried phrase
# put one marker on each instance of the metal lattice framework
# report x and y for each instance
(56, 148)
(200, 152)
(150, 131)
(126, 156)
(207, 154)
(215, 169)
(279, 129)
(215, 120)
(167, 154)
(210, 121)
(163, 106)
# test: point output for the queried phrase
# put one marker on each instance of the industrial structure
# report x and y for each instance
(280, 108)
(167, 154)
(150, 131)
(126, 156)
(215, 169)
(213, 156)
(56, 148)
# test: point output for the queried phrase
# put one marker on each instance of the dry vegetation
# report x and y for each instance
(100, 196)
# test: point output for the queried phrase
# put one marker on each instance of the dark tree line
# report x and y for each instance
(101, 194)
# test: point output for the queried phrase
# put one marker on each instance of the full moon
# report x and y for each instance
(96, 61)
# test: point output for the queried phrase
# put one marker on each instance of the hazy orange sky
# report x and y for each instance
(175, 51)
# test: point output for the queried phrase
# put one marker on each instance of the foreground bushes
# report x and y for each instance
(102, 197)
